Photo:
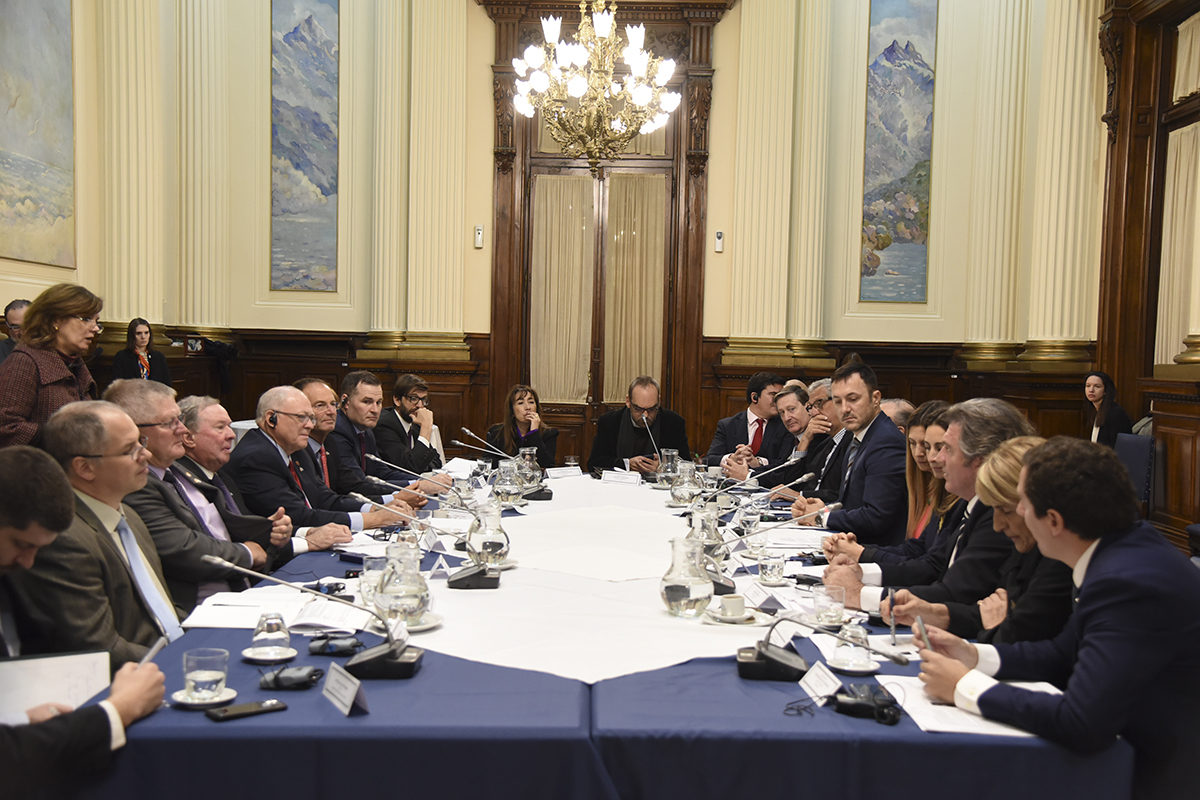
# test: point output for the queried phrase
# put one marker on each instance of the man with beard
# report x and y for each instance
(627, 437)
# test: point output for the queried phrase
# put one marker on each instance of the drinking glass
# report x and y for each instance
(368, 579)
(204, 673)
(770, 567)
(271, 638)
(829, 604)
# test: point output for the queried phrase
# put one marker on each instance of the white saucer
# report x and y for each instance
(774, 583)
(673, 504)
(252, 655)
(847, 669)
(506, 564)
(429, 621)
(657, 485)
(750, 619)
(735, 619)
(180, 699)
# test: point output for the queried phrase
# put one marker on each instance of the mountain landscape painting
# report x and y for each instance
(899, 138)
(304, 145)
(37, 133)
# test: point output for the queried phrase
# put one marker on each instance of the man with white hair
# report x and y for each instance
(265, 468)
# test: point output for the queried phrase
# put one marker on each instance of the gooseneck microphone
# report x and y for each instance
(458, 443)
(492, 448)
(653, 444)
(896, 658)
(392, 659)
(407, 471)
(791, 460)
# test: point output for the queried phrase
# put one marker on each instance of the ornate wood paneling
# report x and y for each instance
(1175, 503)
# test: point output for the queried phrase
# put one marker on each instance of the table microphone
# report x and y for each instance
(646, 422)
(407, 471)
(392, 659)
(896, 658)
(477, 576)
(504, 457)
(765, 528)
(791, 460)
(492, 448)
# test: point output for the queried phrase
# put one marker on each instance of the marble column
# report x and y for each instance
(204, 154)
(393, 53)
(763, 186)
(1068, 192)
(990, 340)
(806, 270)
(131, 152)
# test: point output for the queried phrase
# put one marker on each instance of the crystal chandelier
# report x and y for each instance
(590, 113)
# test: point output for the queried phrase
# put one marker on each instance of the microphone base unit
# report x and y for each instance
(389, 661)
(476, 576)
(770, 662)
(721, 584)
(540, 494)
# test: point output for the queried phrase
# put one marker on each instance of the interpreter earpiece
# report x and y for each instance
(273, 419)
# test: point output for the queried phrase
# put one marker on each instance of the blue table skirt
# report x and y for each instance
(696, 731)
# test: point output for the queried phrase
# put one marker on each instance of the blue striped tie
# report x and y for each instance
(153, 598)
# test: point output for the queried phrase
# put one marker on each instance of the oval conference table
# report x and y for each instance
(572, 681)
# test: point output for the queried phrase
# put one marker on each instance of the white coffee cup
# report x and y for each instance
(733, 605)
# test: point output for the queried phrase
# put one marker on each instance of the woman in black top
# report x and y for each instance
(523, 427)
(139, 359)
(1108, 418)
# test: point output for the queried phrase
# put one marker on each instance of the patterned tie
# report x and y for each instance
(362, 449)
(146, 587)
(854, 443)
(958, 535)
(758, 434)
(325, 464)
(300, 486)
(230, 504)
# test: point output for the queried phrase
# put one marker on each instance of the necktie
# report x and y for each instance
(230, 504)
(146, 587)
(362, 449)
(854, 443)
(170, 477)
(958, 535)
(324, 465)
(296, 477)
(758, 434)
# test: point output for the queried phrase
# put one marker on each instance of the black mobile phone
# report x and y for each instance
(245, 710)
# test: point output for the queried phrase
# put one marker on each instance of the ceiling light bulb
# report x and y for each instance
(577, 86)
(539, 80)
(550, 28)
(665, 70)
(670, 101)
(637, 35)
(520, 66)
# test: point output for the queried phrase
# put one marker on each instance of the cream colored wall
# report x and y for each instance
(229, 218)
(952, 254)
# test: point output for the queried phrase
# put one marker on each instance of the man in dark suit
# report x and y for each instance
(60, 748)
(322, 456)
(185, 526)
(874, 495)
(405, 431)
(354, 433)
(14, 317)
(264, 466)
(626, 437)
(99, 585)
(1130, 652)
(756, 435)
(964, 566)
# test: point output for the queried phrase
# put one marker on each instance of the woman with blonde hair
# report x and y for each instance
(46, 370)
(1033, 600)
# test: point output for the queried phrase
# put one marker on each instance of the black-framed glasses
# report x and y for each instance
(418, 400)
(816, 404)
(302, 417)
(133, 453)
(91, 322)
(168, 425)
(636, 409)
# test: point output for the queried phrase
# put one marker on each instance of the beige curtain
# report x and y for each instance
(633, 280)
(1187, 58)
(653, 144)
(560, 292)
(1180, 271)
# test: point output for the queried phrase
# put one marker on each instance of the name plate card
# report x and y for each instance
(820, 684)
(344, 690)
(627, 478)
(564, 472)
(430, 541)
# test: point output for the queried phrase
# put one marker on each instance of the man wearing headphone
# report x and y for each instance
(755, 436)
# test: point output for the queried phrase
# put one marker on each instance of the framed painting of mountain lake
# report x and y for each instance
(901, 52)
(37, 133)
(304, 145)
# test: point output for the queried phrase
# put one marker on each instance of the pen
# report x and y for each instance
(159, 645)
(924, 635)
(892, 613)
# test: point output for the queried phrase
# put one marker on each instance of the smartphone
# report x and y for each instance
(245, 710)
(924, 635)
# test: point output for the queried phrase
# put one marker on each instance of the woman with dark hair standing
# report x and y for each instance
(46, 370)
(522, 427)
(139, 359)
(1108, 418)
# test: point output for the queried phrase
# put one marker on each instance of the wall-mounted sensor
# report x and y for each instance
(720, 242)
(478, 237)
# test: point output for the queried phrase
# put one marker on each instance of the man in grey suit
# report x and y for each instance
(99, 585)
(185, 528)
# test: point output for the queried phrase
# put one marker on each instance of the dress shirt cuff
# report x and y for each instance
(387, 498)
(356, 520)
(989, 659)
(868, 599)
(300, 541)
(626, 462)
(725, 459)
(969, 688)
(872, 574)
(115, 725)
(425, 442)
(248, 553)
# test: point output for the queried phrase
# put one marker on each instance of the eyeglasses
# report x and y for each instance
(418, 400)
(169, 425)
(133, 453)
(91, 322)
(636, 409)
(816, 404)
(13, 327)
(309, 418)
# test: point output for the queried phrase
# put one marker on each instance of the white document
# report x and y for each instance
(459, 467)
(243, 609)
(819, 683)
(938, 718)
(798, 538)
(33, 680)
(330, 617)
(363, 544)
(563, 472)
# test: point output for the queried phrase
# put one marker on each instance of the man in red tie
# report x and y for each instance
(755, 436)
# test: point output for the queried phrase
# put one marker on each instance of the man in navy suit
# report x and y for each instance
(874, 495)
(354, 437)
(1128, 658)
(756, 436)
